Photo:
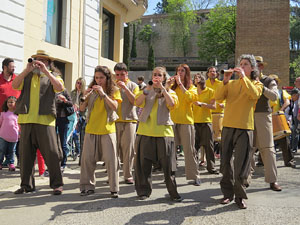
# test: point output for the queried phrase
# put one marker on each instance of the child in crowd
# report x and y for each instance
(9, 132)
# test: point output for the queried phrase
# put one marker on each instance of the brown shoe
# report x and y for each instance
(226, 201)
(275, 186)
(240, 203)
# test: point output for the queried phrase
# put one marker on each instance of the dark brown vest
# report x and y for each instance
(47, 97)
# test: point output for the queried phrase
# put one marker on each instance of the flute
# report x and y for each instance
(82, 99)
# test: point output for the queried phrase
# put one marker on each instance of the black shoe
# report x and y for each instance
(178, 199)
(143, 197)
(291, 164)
(114, 194)
(259, 164)
(214, 172)
(23, 190)
(294, 150)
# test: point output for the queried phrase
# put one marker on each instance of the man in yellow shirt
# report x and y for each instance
(126, 124)
(238, 125)
(218, 113)
(37, 112)
(284, 143)
(203, 120)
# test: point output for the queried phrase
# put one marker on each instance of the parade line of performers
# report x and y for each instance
(144, 127)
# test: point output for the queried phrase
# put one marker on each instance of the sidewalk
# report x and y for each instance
(200, 204)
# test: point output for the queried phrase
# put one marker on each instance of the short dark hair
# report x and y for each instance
(120, 66)
(6, 62)
(295, 91)
(141, 78)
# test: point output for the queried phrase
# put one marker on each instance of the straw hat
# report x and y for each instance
(42, 54)
(275, 77)
(259, 59)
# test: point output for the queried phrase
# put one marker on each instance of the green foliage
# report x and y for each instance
(161, 7)
(151, 59)
(147, 35)
(295, 28)
(217, 36)
(181, 18)
(126, 48)
(133, 53)
(296, 66)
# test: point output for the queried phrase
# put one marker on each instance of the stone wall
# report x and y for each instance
(263, 29)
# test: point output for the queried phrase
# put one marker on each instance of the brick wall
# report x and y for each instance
(263, 29)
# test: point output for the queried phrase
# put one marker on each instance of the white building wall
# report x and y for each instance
(90, 38)
(12, 14)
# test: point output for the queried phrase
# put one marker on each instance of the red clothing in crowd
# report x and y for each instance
(6, 89)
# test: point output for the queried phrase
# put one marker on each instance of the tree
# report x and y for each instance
(126, 51)
(181, 18)
(295, 28)
(151, 58)
(296, 66)
(161, 7)
(148, 36)
(216, 38)
(133, 53)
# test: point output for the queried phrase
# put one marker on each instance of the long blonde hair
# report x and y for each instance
(83, 83)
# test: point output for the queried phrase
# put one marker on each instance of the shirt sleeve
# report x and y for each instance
(117, 96)
(61, 81)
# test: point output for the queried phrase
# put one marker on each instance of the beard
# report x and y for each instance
(36, 71)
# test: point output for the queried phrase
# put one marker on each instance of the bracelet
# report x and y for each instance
(145, 92)
(180, 84)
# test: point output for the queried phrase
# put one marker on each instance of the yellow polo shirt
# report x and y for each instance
(33, 114)
(214, 87)
(202, 114)
(184, 113)
(151, 128)
(241, 96)
(98, 123)
(135, 92)
(276, 104)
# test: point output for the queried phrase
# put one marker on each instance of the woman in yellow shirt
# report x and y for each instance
(155, 137)
(184, 120)
(100, 134)
(203, 120)
(237, 135)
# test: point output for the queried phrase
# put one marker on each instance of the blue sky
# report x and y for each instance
(151, 7)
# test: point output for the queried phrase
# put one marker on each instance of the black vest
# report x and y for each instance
(262, 104)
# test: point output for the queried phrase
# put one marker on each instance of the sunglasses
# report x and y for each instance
(78, 83)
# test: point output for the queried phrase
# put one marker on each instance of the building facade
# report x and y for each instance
(79, 34)
(262, 28)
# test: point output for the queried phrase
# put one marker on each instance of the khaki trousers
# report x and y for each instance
(185, 136)
(235, 171)
(125, 146)
(96, 148)
(204, 137)
(148, 151)
(44, 138)
(263, 140)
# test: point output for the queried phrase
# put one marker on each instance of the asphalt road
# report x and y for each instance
(200, 204)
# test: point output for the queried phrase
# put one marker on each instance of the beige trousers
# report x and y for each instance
(185, 136)
(96, 148)
(263, 140)
(125, 146)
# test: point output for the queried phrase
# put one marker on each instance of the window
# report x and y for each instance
(108, 26)
(58, 22)
(54, 18)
